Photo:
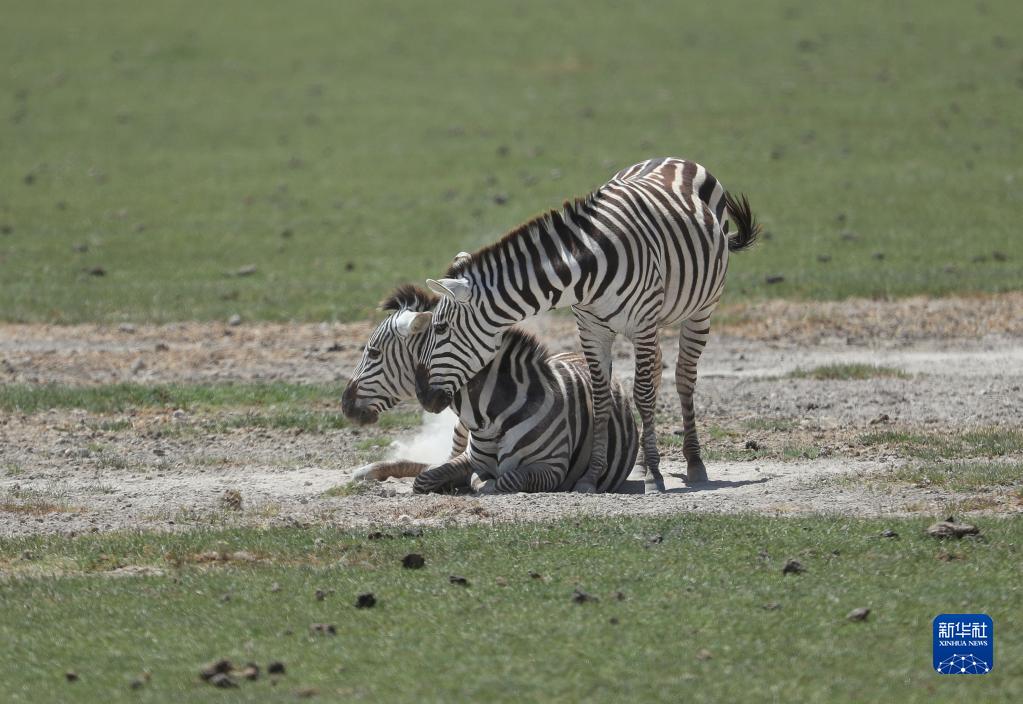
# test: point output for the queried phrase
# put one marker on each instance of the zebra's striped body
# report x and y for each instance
(647, 249)
(525, 422)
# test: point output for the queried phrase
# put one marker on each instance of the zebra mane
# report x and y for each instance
(410, 297)
(517, 338)
(543, 220)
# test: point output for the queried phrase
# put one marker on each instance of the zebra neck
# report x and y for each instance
(548, 263)
(518, 376)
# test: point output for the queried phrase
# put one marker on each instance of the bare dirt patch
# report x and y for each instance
(775, 444)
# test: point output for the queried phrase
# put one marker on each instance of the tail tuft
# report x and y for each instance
(749, 228)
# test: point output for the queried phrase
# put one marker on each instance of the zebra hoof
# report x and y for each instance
(696, 473)
(654, 485)
(585, 487)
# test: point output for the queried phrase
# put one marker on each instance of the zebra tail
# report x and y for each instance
(749, 228)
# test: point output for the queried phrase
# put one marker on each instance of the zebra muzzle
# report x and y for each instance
(353, 410)
(430, 397)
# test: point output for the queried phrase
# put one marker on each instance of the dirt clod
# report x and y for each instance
(793, 567)
(413, 561)
(71, 676)
(859, 614)
(216, 667)
(459, 580)
(276, 667)
(232, 500)
(365, 601)
(581, 597)
(222, 680)
(950, 529)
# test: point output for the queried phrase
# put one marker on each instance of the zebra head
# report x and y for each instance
(386, 373)
(462, 340)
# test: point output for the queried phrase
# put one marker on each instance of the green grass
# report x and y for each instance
(984, 442)
(348, 489)
(961, 475)
(349, 146)
(508, 636)
(846, 372)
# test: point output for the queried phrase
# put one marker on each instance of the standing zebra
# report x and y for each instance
(524, 419)
(647, 249)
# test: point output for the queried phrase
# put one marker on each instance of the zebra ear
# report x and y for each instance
(457, 290)
(409, 322)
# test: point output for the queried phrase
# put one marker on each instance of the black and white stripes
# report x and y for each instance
(648, 249)
(525, 420)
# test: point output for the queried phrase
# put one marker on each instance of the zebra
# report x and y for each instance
(647, 249)
(524, 419)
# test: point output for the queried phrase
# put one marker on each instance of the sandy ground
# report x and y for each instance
(61, 472)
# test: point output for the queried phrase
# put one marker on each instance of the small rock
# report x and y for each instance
(824, 258)
(377, 535)
(620, 596)
(613, 620)
(137, 366)
(881, 419)
(235, 320)
(161, 347)
(849, 236)
(655, 540)
(126, 327)
(793, 567)
(412, 533)
(859, 614)
(322, 629)
(535, 575)
(275, 668)
(247, 270)
(413, 561)
(214, 668)
(949, 529)
(320, 595)
(366, 601)
(889, 533)
(703, 654)
(500, 198)
(771, 606)
(501, 581)
(753, 445)
(459, 580)
(774, 279)
(71, 676)
(275, 587)
(137, 683)
(96, 271)
(581, 597)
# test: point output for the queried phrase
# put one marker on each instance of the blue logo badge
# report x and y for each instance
(964, 644)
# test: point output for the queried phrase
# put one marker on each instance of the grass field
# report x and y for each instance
(153, 157)
(705, 613)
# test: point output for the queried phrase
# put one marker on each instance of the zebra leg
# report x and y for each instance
(596, 339)
(644, 390)
(532, 478)
(691, 341)
(448, 476)
(390, 468)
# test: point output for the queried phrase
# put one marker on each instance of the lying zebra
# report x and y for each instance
(524, 419)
